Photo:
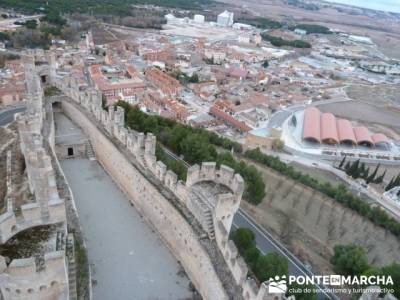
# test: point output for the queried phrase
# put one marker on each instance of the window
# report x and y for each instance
(70, 151)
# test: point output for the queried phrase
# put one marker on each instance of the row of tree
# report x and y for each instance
(357, 169)
(394, 182)
(196, 145)
(351, 260)
(33, 35)
(106, 7)
(312, 28)
(279, 42)
(340, 193)
(264, 267)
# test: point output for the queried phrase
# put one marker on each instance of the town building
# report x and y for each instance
(225, 19)
(166, 84)
(118, 82)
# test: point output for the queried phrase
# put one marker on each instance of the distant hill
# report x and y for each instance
(115, 7)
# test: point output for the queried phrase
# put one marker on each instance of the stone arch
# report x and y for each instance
(30, 291)
(54, 283)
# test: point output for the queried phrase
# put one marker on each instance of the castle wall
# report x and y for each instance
(148, 200)
(22, 280)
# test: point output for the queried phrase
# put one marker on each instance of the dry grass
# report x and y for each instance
(310, 224)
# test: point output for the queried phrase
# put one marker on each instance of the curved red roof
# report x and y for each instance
(345, 131)
(362, 135)
(328, 129)
(379, 138)
(324, 127)
(311, 126)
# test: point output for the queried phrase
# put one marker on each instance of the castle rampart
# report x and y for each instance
(129, 157)
(178, 234)
(25, 279)
(46, 277)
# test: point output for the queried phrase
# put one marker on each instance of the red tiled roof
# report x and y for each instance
(345, 130)
(328, 128)
(362, 135)
(312, 122)
(379, 138)
(324, 127)
(229, 119)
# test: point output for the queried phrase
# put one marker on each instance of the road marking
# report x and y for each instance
(275, 243)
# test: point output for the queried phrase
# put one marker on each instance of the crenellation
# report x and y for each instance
(237, 186)
(181, 191)
(208, 171)
(250, 289)
(193, 175)
(214, 212)
(171, 180)
(241, 270)
(22, 267)
(21, 279)
(150, 144)
(226, 175)
(231, 252)
(119, 116)
(161, 170)
(31, 212)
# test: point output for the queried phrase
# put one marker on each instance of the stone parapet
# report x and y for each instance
(142, 148)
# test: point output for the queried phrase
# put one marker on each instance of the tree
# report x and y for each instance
(251, 256)
(271, 265)
(243, 238)
(196, 148)
(392, 270)
(371, 177)
(379, 179)
(349, 260)
(353, 169)
(395, 181)
(265, 64)
(31, 24)
(342, 162)
(277, 144)
(194, 78)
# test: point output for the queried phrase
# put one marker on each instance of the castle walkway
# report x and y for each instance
(128, 260)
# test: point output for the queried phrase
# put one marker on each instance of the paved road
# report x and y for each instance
(266, 244)
(7, 115)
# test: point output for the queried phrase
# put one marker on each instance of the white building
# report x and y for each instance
(300, 31)
(225, 19)
(241, 26)
(198, 18)
(361, 39)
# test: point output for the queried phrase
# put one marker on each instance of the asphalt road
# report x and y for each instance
(266, 243)
(7, 115)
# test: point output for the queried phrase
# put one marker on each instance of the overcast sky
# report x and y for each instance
(386, 5)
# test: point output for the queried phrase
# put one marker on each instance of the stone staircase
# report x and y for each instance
(89, 151)
(70, 251)
(206, 207)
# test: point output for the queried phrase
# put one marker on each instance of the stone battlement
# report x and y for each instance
(26, 279)
(23, 278)
(214, 213)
